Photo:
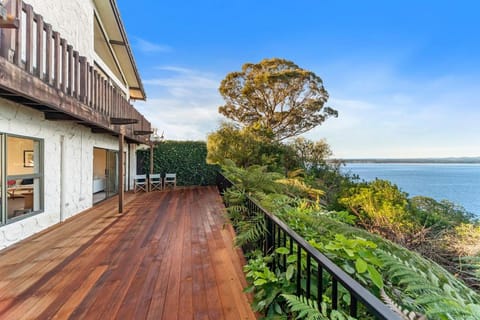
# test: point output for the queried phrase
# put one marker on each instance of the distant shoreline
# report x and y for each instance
(453, 160)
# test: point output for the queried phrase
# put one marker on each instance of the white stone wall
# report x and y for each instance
(72, 18)
(79, 142)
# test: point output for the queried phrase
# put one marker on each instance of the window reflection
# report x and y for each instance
(23, 178)
(24, 198)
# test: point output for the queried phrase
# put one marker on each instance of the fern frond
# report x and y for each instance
(422, 287)
(304, 308)
(250, 231)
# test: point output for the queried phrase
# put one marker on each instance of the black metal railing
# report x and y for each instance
(314, 271)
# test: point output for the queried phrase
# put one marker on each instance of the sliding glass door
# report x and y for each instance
(112, 173)
(105, 174)
(3, 182)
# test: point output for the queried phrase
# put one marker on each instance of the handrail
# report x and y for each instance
(40, 51)
(274, 237)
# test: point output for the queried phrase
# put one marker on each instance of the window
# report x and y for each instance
(21, 177)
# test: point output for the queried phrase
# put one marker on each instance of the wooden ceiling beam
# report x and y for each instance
(58, 116)
(122, 121)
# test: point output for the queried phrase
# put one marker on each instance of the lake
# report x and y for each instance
(458, 183)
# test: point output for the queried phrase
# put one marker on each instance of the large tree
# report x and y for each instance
(277, 95)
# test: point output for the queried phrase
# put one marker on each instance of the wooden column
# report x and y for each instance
(151, 157)
(121, 160)
(151, 165)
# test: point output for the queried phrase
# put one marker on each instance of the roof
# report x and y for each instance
(117, 36)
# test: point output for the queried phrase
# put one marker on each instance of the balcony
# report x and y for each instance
(170, 259)
(41, 70)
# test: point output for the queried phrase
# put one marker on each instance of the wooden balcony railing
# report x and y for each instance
(314, 271)
(41, 69)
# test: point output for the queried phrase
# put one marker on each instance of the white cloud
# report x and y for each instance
(415, 118)
(183, 103)
(183, 78)
(150, 47)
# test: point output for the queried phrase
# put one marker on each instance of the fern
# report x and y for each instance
(308, 309)
(402, 312)
(304, 308)
(250, 230)
(434, 297)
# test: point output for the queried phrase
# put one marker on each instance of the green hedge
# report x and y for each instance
(185, 158)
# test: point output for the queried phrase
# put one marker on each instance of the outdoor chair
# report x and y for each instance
(155, 181)
(170, 180)
(140, 182)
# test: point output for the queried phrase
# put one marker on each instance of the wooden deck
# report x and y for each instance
(169, 256)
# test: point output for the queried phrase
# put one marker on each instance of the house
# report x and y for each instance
(67, 76)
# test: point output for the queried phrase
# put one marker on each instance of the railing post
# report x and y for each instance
(83, 86)
(334, 293)
(268, 236)
(353, 306)
(29, 42)
(48, 53)
(299, 269)
(308, 272)
(91, 86)
(76, 75)
(96, 90)
(56, 59)
(319, 285)
(64, 67)
(69, 78)
(17, 57)
(40, 52)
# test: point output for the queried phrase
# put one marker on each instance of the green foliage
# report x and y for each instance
(277, 96)
(381, 208)
(255, 180)
(342, 216)
(297, 187)
(437, 295)
(439, 215)
(241, 145)
(250, 230)
(309, 310)
(413, 286)
(304, 308)
(185, 158)
(310, 155)
(267, 286)
(358, 256)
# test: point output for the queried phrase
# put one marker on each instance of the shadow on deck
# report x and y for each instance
(169, 256)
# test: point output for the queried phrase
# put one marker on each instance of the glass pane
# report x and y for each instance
(112, 173)
(99, 174)
(23, 197)
(1, 179)
(22, 156)
(23, 53)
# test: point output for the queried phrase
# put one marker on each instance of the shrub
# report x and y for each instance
(185, 158)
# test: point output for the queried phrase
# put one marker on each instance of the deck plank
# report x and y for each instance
(168, 256)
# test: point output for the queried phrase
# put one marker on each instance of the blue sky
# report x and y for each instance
(403, 75)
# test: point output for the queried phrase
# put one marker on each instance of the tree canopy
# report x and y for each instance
(277, 95)
(311, 154)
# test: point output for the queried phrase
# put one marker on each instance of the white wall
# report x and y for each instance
(79, 142)
(72, 18)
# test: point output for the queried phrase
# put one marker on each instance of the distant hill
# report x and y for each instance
(417, 160)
